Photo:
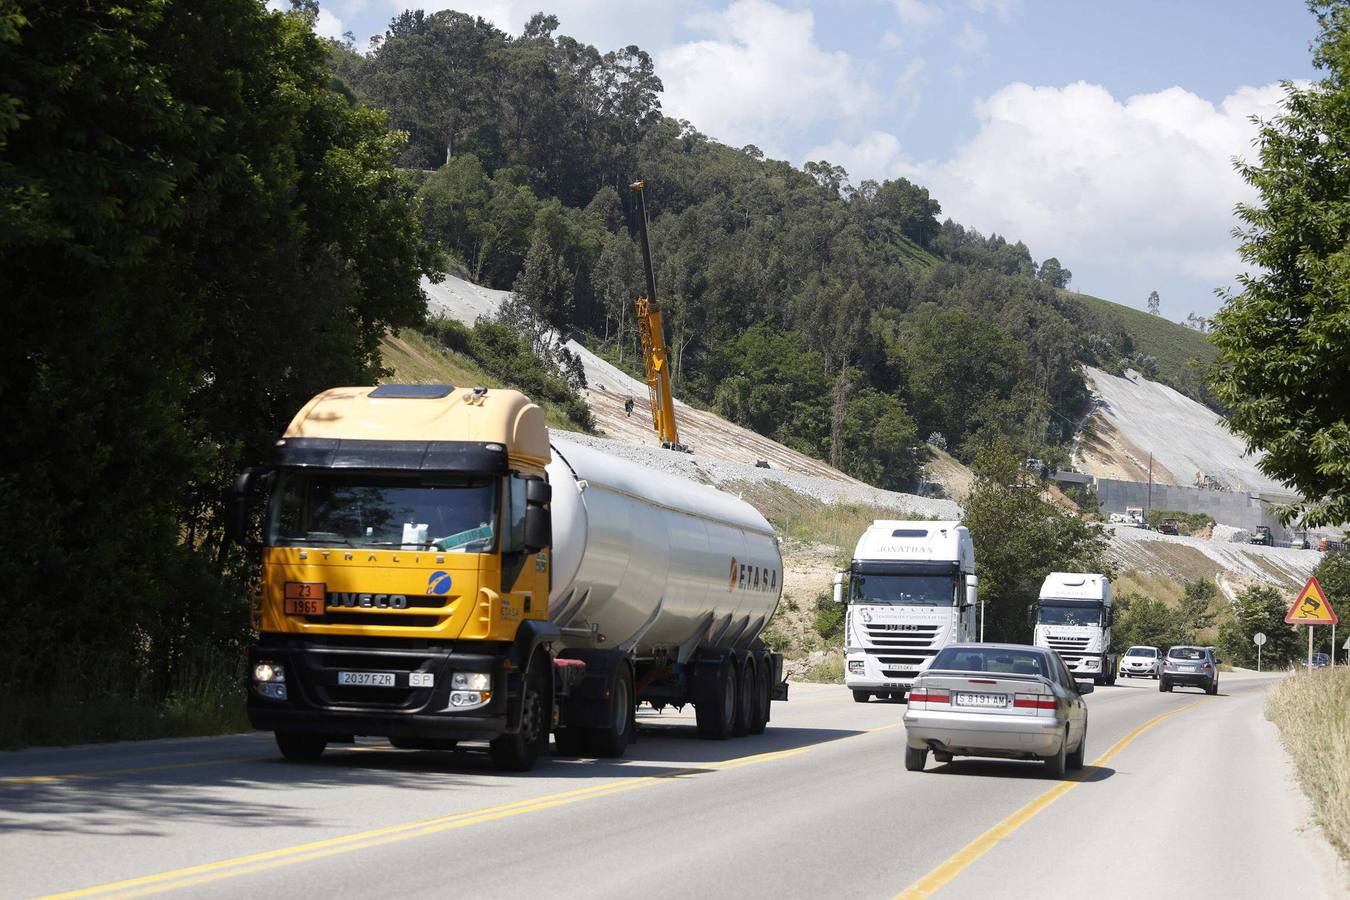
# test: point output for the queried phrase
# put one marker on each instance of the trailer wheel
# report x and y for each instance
(759, 718)
(518, 752)
(611, 741)
(300, 747)
(716, 713)
(747, 689)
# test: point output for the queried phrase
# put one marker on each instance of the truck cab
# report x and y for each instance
(911, 590)
(1073, 617)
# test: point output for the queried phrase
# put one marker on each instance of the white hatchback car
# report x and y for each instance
(1141, 662)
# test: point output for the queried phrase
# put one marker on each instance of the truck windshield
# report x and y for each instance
(902, 590)
(352, 509)
(1058, 613)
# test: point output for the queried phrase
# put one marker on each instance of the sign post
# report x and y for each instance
(1260, 640)
(1310, 608)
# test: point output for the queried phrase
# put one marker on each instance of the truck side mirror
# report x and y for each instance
(538, 518)
(538, 528)
(237, 512)
(972, 590)
(1031, 615)
(838, 587)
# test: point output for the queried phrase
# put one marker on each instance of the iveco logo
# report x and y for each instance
(895, 628)
(367, 601)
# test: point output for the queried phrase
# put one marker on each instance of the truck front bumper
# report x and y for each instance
(315, 702)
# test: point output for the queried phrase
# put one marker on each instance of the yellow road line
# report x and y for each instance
(271, 859)
(961, 859)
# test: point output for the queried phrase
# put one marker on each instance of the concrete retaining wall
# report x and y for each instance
(1239, 509)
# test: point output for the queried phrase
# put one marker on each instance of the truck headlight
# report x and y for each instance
(265, 672)
(470, 681)
(856, 666)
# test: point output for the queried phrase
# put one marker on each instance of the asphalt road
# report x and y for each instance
(1197, 803)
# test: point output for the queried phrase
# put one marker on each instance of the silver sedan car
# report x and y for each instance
(1007, 700)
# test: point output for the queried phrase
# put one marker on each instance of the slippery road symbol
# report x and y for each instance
(1311, 607)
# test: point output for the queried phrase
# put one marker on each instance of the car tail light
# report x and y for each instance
(929, 695)
(980, 681)
(1033, 701)
(1206, 666)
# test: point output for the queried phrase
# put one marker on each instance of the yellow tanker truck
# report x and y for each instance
(436, 571)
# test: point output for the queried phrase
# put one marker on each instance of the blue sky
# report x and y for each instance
(1097, 133)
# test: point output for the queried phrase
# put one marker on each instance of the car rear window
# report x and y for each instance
(1186, 653)
(990, 659)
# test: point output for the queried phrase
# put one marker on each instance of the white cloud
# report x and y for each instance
(877, 155)
(1003, 10)
(608, 24)
(970, 40)
(760, 77)
(1143, 184)
(916, 13)
(328, 25)
(1130, 194)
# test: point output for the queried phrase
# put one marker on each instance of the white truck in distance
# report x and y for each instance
(1073, 617)
(911, 592)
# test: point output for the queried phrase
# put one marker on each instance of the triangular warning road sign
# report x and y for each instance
(1312, 607)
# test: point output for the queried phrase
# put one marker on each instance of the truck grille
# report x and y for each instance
(321, 664)
(441, 608)
(1068, 643)
(912, 637)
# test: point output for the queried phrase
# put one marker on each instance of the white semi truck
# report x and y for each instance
(436, 571)
(911, 591)
(1073, 617)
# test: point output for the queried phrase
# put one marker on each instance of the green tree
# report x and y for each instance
(1259, 608)
(1145, 621)
(1197, 611)
(1283, 337)
(1019, 539)
(1054, 274)
(197, 232)
(1333, 574)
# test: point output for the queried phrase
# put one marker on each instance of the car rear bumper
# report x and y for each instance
(1198, 679)
(983, 734)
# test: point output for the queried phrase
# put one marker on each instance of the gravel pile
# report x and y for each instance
(1132, 546)
(721, 472)
(1230, 534)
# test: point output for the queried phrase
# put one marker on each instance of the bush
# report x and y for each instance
(504, 355)
(1312, 711)
(829, 618)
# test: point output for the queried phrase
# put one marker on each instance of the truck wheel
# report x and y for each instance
(518, 752)
(1054, 765)
(611, 741)
(763, 697)
(747, 687)
(300, 747)
(914, 759)
(717, 713)
(861, 696)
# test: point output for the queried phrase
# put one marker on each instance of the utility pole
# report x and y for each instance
(1148, 504)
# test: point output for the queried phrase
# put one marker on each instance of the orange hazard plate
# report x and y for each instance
(304, 598)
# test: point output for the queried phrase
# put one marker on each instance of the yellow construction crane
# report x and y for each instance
(652, 333)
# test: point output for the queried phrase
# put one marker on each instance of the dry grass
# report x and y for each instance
(1150, 584)
(1312, 711)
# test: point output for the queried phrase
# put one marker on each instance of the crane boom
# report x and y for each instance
(652, 333)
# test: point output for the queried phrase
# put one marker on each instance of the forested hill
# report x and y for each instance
(846, 320)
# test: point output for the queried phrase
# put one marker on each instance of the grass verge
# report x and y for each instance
(1312, 711)
(83, 707)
